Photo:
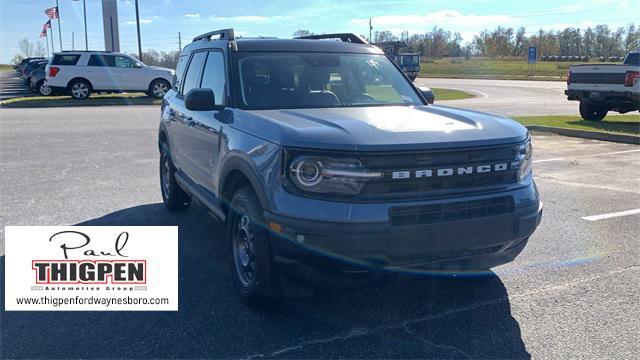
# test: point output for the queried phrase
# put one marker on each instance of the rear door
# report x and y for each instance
(100, 72)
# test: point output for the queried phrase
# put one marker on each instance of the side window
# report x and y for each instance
(214, 76)
(102, 60)
(194, 72)
(124, 62)
(65, 59)
(177, 79)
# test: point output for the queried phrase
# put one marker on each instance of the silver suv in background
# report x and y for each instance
(79, 73)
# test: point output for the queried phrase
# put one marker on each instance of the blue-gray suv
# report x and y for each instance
(327, 165)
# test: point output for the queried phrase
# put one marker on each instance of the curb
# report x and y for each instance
(594, 135)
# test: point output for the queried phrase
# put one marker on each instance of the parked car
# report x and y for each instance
(24, 61)
(79, 73)
(26, 70)
(327, 164)
(38, 82)
(30, 69)
(602, 88)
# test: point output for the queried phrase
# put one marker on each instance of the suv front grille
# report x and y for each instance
(415, 187)
(426, 214)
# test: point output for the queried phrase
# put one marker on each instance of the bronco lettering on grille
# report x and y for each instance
(449, 171)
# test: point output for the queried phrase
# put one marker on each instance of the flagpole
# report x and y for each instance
(59, 29)
(53, 48)
(86, 39)
(46, 41)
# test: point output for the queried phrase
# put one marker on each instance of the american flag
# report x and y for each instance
(43, 33)
(46, 26)
(52, 13)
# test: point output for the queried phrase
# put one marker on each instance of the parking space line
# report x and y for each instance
(611, 215)
(590, 155)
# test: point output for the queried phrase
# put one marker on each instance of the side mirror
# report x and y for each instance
(428, 94)
(200, 99)
(137, 65)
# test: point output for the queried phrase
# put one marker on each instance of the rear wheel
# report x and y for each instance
(158, 88)
(43, 89)
(255, 276)
(592, 111)
(80, 89)
(173, 196)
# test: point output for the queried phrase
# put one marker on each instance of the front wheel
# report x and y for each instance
(592, 111)
(255, 276)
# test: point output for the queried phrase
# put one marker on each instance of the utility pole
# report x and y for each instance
(73, 45)
(86, 37)
(138, 26)
(179, 41)
(370, 28)
(59, 30)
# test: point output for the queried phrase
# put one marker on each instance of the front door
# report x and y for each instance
(202, 141)
(128, 73)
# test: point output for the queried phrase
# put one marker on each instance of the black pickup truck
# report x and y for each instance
(327, 165)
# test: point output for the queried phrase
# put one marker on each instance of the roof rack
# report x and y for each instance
(344, 37)
(225, 34)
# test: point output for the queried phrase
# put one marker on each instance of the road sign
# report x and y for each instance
(533, 54)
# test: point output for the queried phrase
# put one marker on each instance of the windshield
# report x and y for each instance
(307, 80)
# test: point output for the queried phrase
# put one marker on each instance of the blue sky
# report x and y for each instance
(161, 20)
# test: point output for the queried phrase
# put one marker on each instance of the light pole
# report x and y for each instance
(138, 26)
(86, 37)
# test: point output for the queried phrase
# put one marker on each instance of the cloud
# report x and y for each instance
(192, 15)
(247, 18)
(133, 22)
(439, 18)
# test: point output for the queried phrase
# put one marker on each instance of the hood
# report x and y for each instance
(158, 68)
(379, 128)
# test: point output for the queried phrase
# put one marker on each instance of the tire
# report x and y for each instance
(43, 89)
(254, 274)
(592, 111)
(173, 196)
(80, 89)
(158, 88)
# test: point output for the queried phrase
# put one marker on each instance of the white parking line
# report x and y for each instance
(590, 155)
(611, 215)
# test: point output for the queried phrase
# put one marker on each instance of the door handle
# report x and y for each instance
(190, 122)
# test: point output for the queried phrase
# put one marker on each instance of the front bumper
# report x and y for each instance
(321, 251)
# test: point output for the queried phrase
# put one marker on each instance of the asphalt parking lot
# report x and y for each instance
(573, 292)
(11, 86)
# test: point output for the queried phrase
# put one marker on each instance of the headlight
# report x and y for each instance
(325, 175)
(526, 152)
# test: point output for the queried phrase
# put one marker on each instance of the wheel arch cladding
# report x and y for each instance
(79, 78)
(237, 173)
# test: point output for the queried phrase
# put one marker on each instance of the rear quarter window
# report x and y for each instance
(65, 59)
(633, 59)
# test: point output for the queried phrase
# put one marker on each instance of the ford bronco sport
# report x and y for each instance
(326, 163)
